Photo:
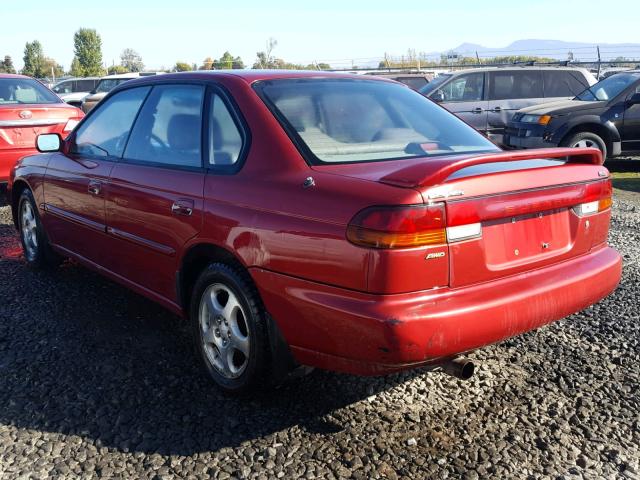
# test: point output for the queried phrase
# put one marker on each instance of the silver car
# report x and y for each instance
(487, 98)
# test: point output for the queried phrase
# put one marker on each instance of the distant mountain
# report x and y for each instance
(556, 49)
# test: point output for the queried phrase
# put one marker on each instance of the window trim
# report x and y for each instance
(109, 158)
(240, 123)
(167, 166)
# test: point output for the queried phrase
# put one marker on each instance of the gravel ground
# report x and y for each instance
(96, 381)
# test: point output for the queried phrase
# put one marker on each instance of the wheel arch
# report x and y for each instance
(607, 131)
(18, 186)
(193, 262)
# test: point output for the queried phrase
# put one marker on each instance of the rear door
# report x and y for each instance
(464, 95)
(75, 183)
(509, 91)
(154, 201)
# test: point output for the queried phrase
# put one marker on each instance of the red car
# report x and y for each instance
(318, 219)
(27, 109)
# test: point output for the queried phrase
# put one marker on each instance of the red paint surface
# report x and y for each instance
(338, 305)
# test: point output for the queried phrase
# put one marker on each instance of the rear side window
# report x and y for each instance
(563, 83)
(225, 140)
(85, 85)
(510, 84)
(104, 133)
(464, 88)
(169, 128)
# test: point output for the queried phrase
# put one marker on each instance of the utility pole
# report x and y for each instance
(477, 57)
(598, 48)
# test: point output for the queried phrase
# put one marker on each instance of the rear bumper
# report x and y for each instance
(9, 157)
(338, 329)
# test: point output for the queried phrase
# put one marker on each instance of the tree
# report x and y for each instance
(6, 66)
(76, 68)
(265, 59)
(207, 64)
(182, 67)
(131, 60)
(51, 68)
(228, 61)
(33, 57)
(117, 70)
(88, 51)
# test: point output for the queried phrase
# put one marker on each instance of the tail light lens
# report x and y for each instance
(399, 227)
(71, 124)
(599, 205)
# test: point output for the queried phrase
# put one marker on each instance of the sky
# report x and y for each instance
(164, 32)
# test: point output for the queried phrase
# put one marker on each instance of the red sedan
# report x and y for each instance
(27, 109)
(306, 218)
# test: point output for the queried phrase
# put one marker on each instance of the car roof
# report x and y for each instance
(518, 67)
(251, 76)
(12, 75)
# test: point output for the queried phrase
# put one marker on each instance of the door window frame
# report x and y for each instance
(71, 140)
(210, 88)
(485, 89)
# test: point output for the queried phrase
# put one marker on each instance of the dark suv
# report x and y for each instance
(606, 115)
(487, 98)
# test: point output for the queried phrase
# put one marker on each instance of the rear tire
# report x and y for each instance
(229, 328)
(35, 244)
(586, 139)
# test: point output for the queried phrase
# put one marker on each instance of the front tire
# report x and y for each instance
(586, 139)
(229, 328)
(35, 244)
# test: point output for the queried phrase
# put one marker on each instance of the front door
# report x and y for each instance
(76, 180)
(464, 96)
(509, 91)
(154, 198)
(631, 127)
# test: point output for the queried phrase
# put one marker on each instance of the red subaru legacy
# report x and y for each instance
(27, 109)
(316, 219)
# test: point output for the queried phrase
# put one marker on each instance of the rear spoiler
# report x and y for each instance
(436, 170)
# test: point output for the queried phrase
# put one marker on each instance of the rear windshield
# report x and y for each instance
(17, 91)
(344, 120)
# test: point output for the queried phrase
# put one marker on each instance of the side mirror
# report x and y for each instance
(48, 142)
(634, 99)
(438, 96)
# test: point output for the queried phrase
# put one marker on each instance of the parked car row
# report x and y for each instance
(318, 219)
(488, 98)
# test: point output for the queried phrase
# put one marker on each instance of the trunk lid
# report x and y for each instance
(21, 124)
(509, 212)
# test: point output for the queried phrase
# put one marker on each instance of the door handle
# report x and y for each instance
(94, 187)
(496, 110)
(476, 110)
(182, 207)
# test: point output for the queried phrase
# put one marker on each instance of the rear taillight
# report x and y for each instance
(399, 227)
(71, 124)
(600, 199)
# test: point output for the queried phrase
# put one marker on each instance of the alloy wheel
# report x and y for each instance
(224, 331)
(29, 230)
(585, 143)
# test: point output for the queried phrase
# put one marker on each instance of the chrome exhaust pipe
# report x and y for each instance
(460, 367)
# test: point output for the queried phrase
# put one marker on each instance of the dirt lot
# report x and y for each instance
(97, 381)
